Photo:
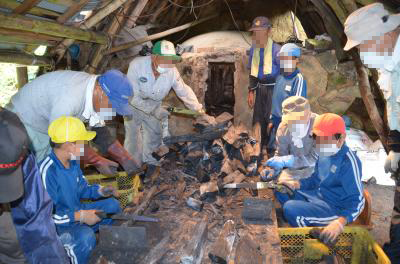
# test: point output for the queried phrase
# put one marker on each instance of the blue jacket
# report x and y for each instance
(269, 78)
(66, 188)
(337, 181)
(33, 222)
(286, 86)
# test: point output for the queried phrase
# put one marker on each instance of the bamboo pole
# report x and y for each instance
(159, 35)
(90, 22)
(25, 6)
(22, 76)
(18, 22)
(72, 10)
(19, 36)
(24, 58)
(337, 8)
(37, 11)
(113, 29)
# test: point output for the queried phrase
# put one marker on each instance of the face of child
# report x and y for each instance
(76, 149)
(288, 63)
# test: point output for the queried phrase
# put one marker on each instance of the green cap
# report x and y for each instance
(166, 49)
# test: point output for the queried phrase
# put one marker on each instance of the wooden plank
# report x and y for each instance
(223, 246)
(19, 22)
(22, 76)
(24, 59)
(72, 10)
(159, 35)
(19, 36)
(193, 252)
(25, 6)
(37, 11)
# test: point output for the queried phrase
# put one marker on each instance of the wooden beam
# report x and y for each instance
(37, 11)
(338, 9)
(113, 29)
(90, 22)
(25, 6)
(22, 76)
(19, 36)
(159, 35)
(368, 98)
(131, 22)
(72, 10)
(24, 58)
(63, 2)
(19, 22)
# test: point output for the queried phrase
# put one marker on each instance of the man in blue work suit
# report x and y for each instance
(264, 68)
(289, 83)
(333, 195)
(62, 177)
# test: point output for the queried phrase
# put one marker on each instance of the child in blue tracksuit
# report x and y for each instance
(289, 83)
(62, 177)
(333, 195)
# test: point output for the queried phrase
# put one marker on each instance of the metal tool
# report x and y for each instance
(122, 216)
(183, 112)
(261, 185)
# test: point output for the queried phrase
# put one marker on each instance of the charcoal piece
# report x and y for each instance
(257, 211)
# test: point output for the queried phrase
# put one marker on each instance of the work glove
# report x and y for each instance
(120, 154)
(89, 217)
(107, 191)
(392, 162)
(205, 119)
(279, 162)
(103, 165)
(292, 184)
(269, 174)
(332, 231)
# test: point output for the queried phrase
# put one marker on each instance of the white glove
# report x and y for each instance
(333, 230)
(392, 161)
(107, 191)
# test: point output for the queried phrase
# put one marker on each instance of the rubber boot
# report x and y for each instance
(119, 153)
(103, 165)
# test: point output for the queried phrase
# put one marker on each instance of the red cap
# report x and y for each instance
(329, 124)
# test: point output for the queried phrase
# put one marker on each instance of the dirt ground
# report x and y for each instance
(382, 206)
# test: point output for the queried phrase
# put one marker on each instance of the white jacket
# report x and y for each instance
(149, 92)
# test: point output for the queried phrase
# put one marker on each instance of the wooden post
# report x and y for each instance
(22, 76)
(113, 29)
(368, 98)
(71, 11)
(25, 6)
(159, 35)
(90, 22)
(131, 22)
(50, 28)
(24, 59)
(37, 11)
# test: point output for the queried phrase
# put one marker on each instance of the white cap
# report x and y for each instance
(368, 22)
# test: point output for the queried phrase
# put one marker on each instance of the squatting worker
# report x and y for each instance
(152, 78)
(264, 68)
(333, 195)
(375, 32)
(92, 98)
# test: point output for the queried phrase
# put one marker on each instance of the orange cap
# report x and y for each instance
(329, 124)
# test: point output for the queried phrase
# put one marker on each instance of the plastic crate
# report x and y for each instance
(355, 245)
(128, 186)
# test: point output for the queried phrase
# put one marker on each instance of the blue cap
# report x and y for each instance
(118, 90)
(290, 49)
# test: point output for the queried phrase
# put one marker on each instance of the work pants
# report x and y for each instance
(392, 249)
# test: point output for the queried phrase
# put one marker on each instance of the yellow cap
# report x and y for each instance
(69, 129)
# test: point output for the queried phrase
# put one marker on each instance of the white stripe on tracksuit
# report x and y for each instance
(43, 169)
(60, 219)
(71, 254)
(299, 84)
(326, 220)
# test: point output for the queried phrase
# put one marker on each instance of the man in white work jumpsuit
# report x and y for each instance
(152, 77)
